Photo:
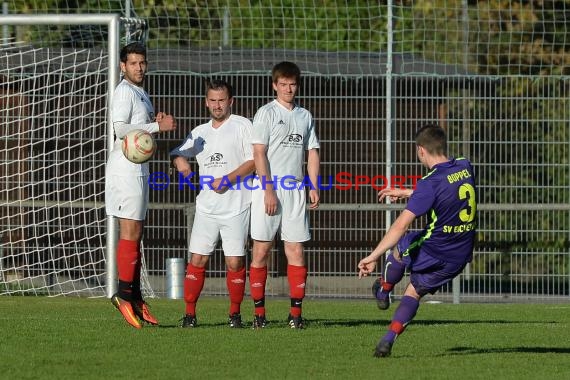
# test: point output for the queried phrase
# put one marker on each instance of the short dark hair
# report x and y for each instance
(286, 70)
(132, 48)
(432, 138)
(219, 84)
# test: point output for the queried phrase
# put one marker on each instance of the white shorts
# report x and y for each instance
(291, 218)
(126, 197)
(207, 230)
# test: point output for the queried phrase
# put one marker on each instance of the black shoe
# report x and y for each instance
(235, 321)
(383, 349)
(189, 320)
(296, 322)
(259, 322)
(382, 303)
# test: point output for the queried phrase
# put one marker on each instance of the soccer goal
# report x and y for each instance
(54, 234)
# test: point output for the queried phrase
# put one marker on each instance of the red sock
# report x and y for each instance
(235, 282)
(257, 280)
(127, 259)
(193, 284)
(137, 293)
(297, 276)
(126, 263)
(386, 287)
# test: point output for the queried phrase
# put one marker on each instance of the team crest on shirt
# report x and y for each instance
(215, 160)
(294, 140)
(216, 157)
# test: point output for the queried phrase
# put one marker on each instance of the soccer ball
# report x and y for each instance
(138, 146)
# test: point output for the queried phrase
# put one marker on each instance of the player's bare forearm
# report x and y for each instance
(122, 128)
(239, 173)
(182, 165)
(166, 123)
(396, 231)
(313, 169)
(261, 162)
(262, 169)
(313, 165)
(394, 194)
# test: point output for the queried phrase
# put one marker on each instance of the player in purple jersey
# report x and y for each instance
(438, 253)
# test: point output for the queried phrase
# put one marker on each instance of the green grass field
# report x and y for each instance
(70, 338)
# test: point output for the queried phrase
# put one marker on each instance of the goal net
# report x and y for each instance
(53, 107)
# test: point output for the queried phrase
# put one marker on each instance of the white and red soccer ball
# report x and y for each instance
(138, 146)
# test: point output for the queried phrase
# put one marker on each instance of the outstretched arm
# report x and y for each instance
(396, 231)
(394, 194)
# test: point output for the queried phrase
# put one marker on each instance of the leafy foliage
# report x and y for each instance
(491, 37)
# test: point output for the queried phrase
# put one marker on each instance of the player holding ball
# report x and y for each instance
(126, 186)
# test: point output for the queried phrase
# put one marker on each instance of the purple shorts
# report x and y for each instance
(427, 274)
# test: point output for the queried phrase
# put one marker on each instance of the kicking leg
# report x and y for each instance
(393, 273)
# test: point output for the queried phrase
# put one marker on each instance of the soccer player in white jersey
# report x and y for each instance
(126, 187)
(223, 151)
(283, 134)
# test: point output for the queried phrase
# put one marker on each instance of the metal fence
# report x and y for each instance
(367, 106)
(522, 248)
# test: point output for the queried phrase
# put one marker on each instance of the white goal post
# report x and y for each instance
(26, 211)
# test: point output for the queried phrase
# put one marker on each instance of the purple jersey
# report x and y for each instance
(447, 195)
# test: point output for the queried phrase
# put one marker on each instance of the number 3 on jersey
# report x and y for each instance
(467, 191)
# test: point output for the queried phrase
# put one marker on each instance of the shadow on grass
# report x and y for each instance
(345, 322)
(506, 350)
(283, 323)
(430, 322)
(386, 320)
(201, 325)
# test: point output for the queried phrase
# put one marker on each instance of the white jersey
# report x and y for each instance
(287, 135)
(131, 109)
(218, 152)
